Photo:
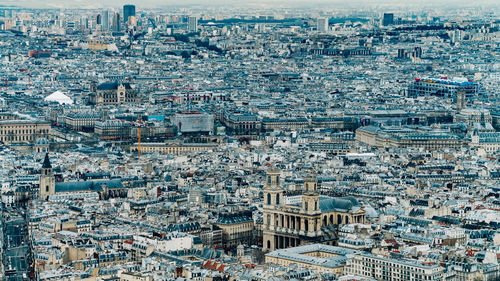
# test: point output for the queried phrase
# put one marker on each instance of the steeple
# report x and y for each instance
(46, 162)
(47, 179)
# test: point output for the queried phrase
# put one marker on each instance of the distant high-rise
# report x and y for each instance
(128, 11)
(116, 22)
(98, 19)
(322, 25)
(105, 20)
(388, 19)
(417, 52)
(192, 24)
(401, 53)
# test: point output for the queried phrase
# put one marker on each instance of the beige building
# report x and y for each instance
(135, 276)
(237, 228)
(82, 121)
(404, 138)
(381, 268)
(310, 219)
(23, 131)
(172, 148)
(318, 257)
(488, 141)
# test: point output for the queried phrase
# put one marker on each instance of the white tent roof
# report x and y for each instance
(59, 97)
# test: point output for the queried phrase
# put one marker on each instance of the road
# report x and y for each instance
(17, 254)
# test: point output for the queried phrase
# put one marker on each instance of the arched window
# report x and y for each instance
(46, 188)
(277, 199)
(339, 219)
(268, 199)
(324, 221)
(331, 219)
(268, 244)
(346, 220)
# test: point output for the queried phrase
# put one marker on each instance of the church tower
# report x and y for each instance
(310, 196)
(47, 180)
(461, 100)
(273, 191)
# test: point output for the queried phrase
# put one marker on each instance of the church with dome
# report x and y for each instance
(308, 218)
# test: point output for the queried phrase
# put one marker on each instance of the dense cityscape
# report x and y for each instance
(225, 142)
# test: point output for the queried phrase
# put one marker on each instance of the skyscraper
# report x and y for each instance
(192, 24)
(116, 22)
(98, 19)
(388, 19)
(128, 11)
(322, 25)
(105, 20)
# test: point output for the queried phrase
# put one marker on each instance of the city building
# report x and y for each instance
(193, 24)
(237, 228)
(128, 11)
(112, 93)
(105, 20)
(23, 130)
(383, 268)
(193, 123)
(319, 257)
(312, 219)
(442, 87)
(172, 147)
(322, 25)
(388, 19)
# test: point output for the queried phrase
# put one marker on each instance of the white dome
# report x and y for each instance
(59, 97)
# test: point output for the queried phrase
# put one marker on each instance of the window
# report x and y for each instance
(268, 199)
(46, 188)
(277, 199)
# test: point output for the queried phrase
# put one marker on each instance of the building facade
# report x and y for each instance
(112, 129)
(82, 121)
(381, 268)
(172, 148)
(312, 220)
(23, 131)
(442, 87)
(112, 93)
(237, 228)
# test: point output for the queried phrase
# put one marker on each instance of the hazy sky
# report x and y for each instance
(92, 4)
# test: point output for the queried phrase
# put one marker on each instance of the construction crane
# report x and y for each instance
(139, 141)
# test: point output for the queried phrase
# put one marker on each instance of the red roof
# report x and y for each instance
(221, 268)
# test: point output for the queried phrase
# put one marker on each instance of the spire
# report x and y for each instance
(46, 162)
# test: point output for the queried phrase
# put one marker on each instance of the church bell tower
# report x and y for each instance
(47, 180)
(310, 196)
(273, 191)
